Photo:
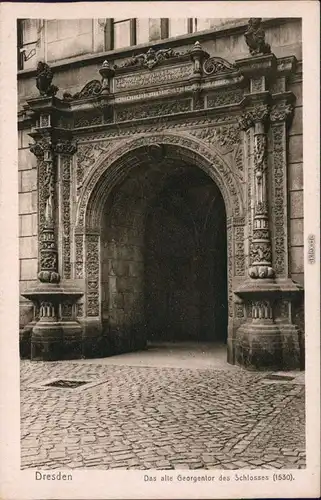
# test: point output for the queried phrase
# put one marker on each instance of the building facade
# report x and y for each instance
(161, 187)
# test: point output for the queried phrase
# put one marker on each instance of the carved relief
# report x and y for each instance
(239, 259)
(230, 269)
(225, 137)
(92, 272)
(79, 260)
(278, 217)
(225, 180)
(162, 125)
(66, 310)
(153, 109)
(150, 59)
(261, 309)
(66, 217)
(88, 119)
(239, 310)
(258, 84)
(87, 156)
(48, 256)
(281, 112)
(79, 310)
(224, 98)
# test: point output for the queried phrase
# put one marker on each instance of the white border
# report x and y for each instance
(16, 484)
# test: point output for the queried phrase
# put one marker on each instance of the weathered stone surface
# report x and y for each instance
(295, 176)
(296, 232)
(296, 204)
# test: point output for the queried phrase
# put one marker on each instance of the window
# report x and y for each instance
(121, 33)
(28, 33)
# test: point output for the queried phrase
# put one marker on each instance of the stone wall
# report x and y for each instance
(28, 221)
(285, 40)
(295, 186)
(122, 252)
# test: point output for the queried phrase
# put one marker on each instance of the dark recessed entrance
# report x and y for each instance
(164, 258)
(185, 261)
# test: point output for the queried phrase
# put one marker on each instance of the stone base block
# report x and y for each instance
(258, 346)
(292, 350)
(56, 340)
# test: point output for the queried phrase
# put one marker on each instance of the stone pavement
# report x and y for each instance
(154, 416)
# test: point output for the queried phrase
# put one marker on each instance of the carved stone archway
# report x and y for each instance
(109, 172)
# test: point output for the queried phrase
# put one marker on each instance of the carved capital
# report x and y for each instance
(258, 114)
(65, 147)
(40, 148)
(281, 112)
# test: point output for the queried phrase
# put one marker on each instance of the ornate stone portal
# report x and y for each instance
(167, 106)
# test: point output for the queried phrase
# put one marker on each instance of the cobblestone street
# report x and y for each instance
(156, 411)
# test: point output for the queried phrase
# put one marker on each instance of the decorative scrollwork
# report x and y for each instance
(91, 89)
(216, 65)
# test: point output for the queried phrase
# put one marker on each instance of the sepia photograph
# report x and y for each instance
(161, 243)
(164, 243)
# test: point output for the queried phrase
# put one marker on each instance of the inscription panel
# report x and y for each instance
(155, 77)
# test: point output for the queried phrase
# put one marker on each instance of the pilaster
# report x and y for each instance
(263, 341)
(54, 332)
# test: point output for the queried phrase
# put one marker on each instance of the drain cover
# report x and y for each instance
(66, 384)
(278, 377)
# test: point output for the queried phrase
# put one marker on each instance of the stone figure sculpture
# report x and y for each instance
(43, 80)
(255, 37)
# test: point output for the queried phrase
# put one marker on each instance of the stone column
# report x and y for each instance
(260, 249)
(55, 334)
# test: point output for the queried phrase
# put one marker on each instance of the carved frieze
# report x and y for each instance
(224, 98)
(88, 119)
(132, 112)
(161, 125)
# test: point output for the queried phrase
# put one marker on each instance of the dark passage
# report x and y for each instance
(185, 261)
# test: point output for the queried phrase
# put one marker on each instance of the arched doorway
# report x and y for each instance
(164, 257)
(114, 209)
(185, 261)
